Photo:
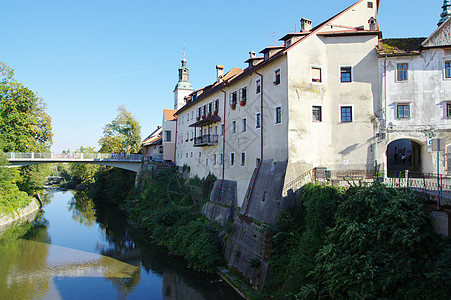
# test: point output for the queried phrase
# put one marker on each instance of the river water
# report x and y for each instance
(75, 249)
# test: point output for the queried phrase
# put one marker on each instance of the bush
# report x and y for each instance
(363, 243)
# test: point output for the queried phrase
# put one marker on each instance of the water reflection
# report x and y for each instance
(38, 259)
(83, 209)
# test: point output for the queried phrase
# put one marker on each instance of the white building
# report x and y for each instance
(415, 80)
(304, 104)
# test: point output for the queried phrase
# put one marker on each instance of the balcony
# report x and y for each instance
(206, 140)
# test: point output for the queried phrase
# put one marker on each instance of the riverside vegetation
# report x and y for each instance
(358, 243)
(364, 242)
(24, 127)
(170, 208)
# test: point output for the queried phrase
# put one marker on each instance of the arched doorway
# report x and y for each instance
(402, 155)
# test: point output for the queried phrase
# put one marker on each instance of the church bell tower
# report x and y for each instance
(183, 87)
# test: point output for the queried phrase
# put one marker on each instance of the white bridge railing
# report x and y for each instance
(15, 156)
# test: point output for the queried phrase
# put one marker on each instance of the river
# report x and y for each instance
(77, 250)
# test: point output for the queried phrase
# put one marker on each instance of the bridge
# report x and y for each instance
(131, 162)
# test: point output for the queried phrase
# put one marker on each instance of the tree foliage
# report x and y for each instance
(84, 172)
(11, 198)
(24, 127)
(24, 124)
(364, 243)
(122, 135)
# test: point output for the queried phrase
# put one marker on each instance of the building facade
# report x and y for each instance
(310, 102)
(415, 81)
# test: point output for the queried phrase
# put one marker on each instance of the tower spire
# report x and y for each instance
(183, 87)
(446, 14)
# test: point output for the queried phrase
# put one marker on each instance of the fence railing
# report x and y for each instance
(206, 140)
(437, 187)
(73, 156)
(299, 181)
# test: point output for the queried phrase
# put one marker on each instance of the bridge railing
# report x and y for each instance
(73, 156)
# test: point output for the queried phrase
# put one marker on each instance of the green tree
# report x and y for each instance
(84, 172)
(122, 135)
(24, 126)
(11, 198)
(382, 246)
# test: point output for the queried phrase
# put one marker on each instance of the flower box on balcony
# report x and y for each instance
(215, 112)
(203, 117)
(242, 102)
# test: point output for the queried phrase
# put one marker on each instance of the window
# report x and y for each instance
(243, 94)
(216, 105)
(243, 159)
(345, 74)
(216, 130)
(214, 159)
(191, 154)
(233, 126)
(257, 120)
(167, 135)
(316, 114)
(222, 129)
(210, 107)
(370, 4)
(186, 154)
(277, 77)
(243, 125)
(346, 114)
(316, 74)
(258, 86)
(403, 111)
(192, 113)
(448, 109)
(220, 158)
(401, 72)
(187, 117)
(278, 115)
(200, 154)
(447, 69)
(232, 159)
(233, 98)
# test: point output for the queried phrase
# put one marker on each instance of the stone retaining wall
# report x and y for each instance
(8, 219)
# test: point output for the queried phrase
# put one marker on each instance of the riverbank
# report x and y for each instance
(31, 208)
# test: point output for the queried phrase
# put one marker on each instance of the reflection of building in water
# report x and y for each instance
(174, 288)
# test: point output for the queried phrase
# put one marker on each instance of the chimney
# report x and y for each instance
(306, 25)
(219, 72)
(252, 54)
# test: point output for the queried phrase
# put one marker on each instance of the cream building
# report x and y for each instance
(415, 80)
(305, 104)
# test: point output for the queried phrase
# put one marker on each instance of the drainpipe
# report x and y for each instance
(385, 115)
(175, 139)
(223, 145)
(261, 142)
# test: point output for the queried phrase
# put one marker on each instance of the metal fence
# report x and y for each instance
(436, 187)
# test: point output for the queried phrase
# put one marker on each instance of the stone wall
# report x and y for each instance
(27, 211)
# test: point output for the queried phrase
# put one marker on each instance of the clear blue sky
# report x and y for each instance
(86, 58)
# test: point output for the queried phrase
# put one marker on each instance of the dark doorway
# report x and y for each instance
(403, 155)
